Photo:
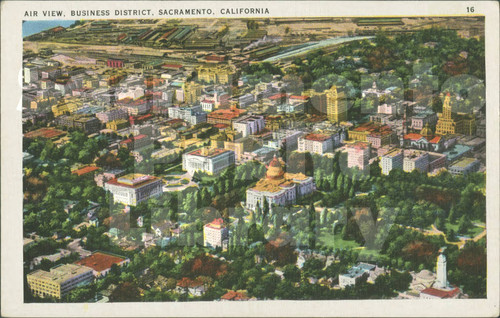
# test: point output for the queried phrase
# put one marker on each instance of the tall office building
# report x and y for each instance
(336, 106)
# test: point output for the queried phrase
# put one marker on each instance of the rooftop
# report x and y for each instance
(84, 170)
(216, 224)
(441, 293)
(358, 145)
(226, 113)
(133, 180)
(138, 137)
(48, 133)
(317, 137)
(464, 162)
(393, 153)
(61, 273)
(208, 152)
(100, 261)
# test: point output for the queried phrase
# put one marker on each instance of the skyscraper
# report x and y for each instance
(336, 106)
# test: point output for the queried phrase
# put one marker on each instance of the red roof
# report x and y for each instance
(358, 145)
(138, 137)
(221, 126)
(100, 261)
(299, 97)
(216, 224)
(235, 295)
(317, 137)
(45, 133)
(186, 282)
(277, 96)
(226, 113)
(207, 101)
(84, 170)
(441, 293)
(413, 136)
(172, 66)
(435, 140)
(218, 221)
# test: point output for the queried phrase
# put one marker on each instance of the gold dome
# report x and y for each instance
(275, 169)
(426, 131)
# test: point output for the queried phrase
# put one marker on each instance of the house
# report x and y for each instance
(193, 287)
(164, 228)
(235, 295)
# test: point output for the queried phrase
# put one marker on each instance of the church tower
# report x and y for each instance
(441, 281)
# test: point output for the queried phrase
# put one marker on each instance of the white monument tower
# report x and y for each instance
(441, 281)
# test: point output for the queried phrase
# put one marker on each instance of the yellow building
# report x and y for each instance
(91, 83)
(63, 107)
(448, 123)
(336, 106)
(59, 281)
(221, 74)
(117, 124)
(43, 102)
(192, 91)
(240, 146)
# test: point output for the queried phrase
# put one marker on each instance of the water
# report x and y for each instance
(317, 45)
(32, 27)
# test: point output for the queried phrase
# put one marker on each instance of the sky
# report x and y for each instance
(32, 27)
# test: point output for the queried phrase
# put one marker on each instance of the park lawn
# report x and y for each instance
(207, 179)
(374, 254)
(336, 241)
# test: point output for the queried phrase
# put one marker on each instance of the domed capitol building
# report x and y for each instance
(279, 187)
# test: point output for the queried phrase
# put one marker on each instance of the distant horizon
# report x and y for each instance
(33, 27)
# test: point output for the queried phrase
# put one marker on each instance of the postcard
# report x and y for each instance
(283, 158)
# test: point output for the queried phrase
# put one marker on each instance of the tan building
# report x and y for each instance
(449, 123)
(64, 107)
(192, 91)
(222, 74)
(336, 106)
(240, 146)
(375, 133)
(59, 281)
(117, 124)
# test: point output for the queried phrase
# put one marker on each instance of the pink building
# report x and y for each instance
(358, 155)
(215, 233)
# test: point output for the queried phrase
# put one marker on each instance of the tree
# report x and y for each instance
(464, 224)
(125, 292)
(291, 273)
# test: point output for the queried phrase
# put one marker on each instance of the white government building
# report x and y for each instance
(279, 187)
(208, 160)
(134, 188)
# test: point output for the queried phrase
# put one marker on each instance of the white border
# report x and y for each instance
(11, 196)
